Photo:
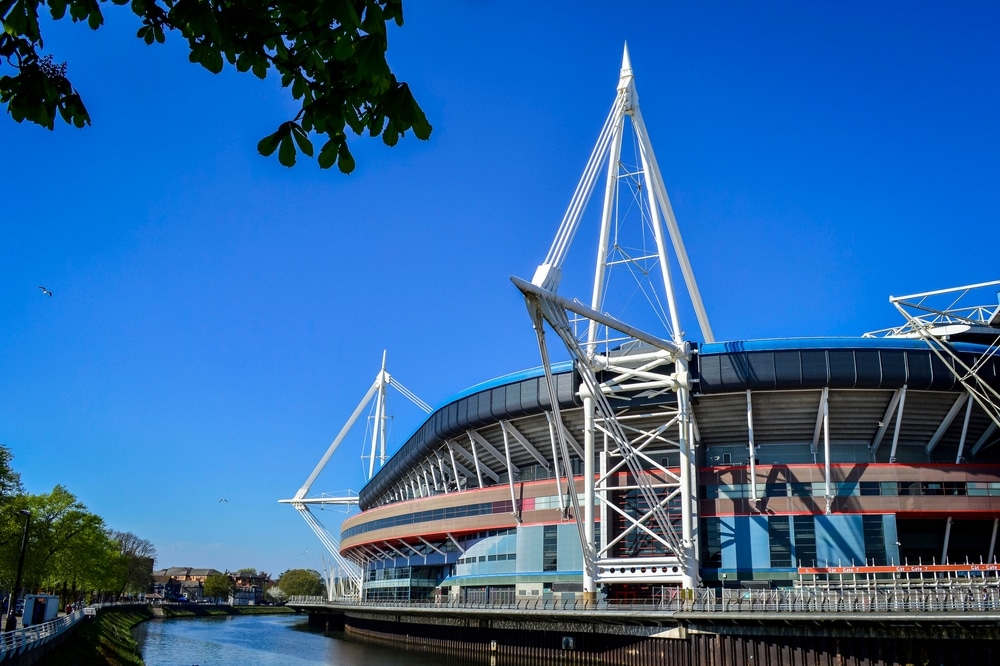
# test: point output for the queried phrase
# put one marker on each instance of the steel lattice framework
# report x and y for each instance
(618, 362)
(349, 574)
(935, 316)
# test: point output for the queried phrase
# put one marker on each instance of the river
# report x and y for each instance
(262, 640)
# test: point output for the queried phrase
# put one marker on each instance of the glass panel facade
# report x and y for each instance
(805, 540)
(874, 540)
(780, 541)
(550, 547)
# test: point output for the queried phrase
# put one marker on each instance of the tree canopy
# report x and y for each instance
(330, 54)
(301, 583)
(218, 586)
(69, 549)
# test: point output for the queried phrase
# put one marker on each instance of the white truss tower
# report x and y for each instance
(934, 316)
(617, 360)
(350, 574)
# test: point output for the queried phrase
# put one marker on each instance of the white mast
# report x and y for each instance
(376, 392)
(662, 365)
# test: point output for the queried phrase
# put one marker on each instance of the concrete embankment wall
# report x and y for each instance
(514, 641)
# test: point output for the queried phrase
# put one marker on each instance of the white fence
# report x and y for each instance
(956, 599)
(19, 641)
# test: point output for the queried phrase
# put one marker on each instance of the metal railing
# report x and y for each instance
(972, 598)
(22, 640)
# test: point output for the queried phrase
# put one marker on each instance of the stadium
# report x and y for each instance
(645, 463)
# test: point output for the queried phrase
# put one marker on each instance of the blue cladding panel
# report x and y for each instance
(744, 542)
(483, 406)
(566, 388)
(451, 416)
(708, 367)
(869, 369)
(919, 370)
(493, 402)
(833, 362)
(761, 370)
(529, 395)
(840, 540)
(735, 542)
(569, 555)
(942, 376)
(814, 371)
(760, 541)
(733, 370)
(529, 548)
(787, 369)
(513, 400)
(498, 402)
(843, 373)
(891, 538)
(462, 411)
(893, 368)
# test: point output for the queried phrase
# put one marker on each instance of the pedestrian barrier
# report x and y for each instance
(970, 598)
(20, 641)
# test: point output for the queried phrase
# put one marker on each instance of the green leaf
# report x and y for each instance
(328, 155)
(212, 60)
(286, 151)
(343, 48)
(259, 68)
(16, 21)
(421, 128)
(269, 143)
(345, 161)
(56, 7)
(96, 19)
(145, 33)
(305, 145)
(299, 87)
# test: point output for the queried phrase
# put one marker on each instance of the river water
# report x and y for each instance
(261, 640)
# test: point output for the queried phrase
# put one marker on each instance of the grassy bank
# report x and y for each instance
(107, 639)
(208, 610)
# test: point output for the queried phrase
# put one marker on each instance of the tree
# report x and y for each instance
(132, 562)
(302, 583)
(276, 594)
(10, 481)
(60, 524)
(218, 586)
(330, 53)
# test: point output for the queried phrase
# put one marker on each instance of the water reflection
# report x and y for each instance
(263, 640)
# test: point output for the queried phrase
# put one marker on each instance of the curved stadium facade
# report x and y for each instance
(650, 464)
(867, 452)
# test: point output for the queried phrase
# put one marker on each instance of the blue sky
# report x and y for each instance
(216, 317)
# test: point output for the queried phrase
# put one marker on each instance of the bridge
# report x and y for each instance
(792, 627)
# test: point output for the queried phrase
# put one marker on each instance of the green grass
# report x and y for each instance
(105, 640)
(200, 610)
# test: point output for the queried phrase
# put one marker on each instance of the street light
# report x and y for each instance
(11, 618)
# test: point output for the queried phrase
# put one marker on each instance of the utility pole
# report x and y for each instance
(11, 618)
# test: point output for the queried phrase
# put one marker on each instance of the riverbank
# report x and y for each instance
(107, 639)
(208, 610)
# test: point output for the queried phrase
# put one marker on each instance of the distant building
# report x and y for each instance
(249, 587)
(176, 582)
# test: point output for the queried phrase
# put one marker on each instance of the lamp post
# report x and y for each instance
(11, 618)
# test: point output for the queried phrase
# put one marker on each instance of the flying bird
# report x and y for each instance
(45, 291)
(223, 499)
